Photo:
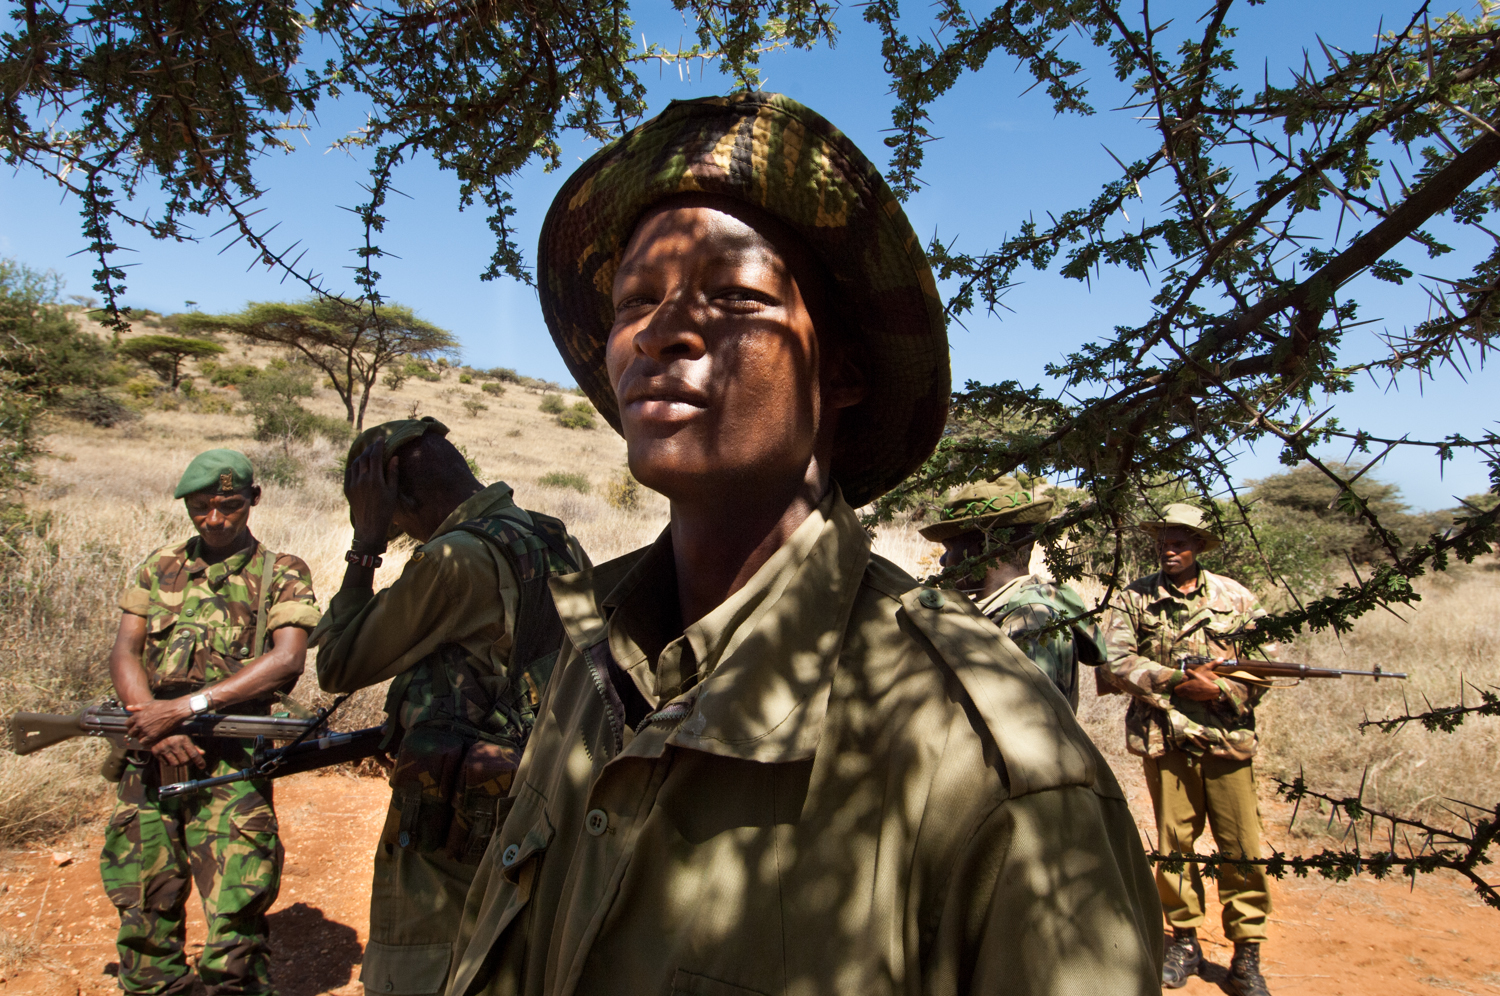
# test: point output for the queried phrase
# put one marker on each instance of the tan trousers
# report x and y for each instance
(416, 905)
(1186, 789)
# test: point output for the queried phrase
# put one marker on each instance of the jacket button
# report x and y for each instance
(596, 822)
(403, 838)
(931, 598)
(509, 857)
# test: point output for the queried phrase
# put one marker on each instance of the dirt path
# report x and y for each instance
(1363, 937)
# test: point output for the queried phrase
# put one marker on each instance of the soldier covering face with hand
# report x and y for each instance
(767, 760)
(218, 623)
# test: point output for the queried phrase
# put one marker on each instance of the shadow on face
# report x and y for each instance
(1178, 549)
(222, 520)
(716, 360)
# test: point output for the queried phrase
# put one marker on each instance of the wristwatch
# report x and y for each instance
(200, 703)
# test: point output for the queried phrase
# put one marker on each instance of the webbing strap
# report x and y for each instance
(265, 600)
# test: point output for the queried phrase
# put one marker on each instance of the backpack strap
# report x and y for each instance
(265, 602)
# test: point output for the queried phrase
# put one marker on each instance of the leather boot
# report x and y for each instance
(1182, 958)
(1244, 971)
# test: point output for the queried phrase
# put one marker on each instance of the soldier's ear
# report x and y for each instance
(254, 495)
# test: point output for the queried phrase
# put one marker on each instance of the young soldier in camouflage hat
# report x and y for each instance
(469, 633)
(216, 624)
(999, 520)
(1196, 732)
(768, 761)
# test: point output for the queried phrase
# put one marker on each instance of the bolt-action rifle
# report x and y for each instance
(32, 731)
(1280, 669)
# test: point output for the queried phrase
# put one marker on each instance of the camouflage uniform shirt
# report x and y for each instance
(1152, 624)
(1026, 607)
(200, 617)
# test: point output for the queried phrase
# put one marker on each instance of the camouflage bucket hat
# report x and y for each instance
(771, 152)
(396, 433)
(1005, 502)
(1184, 516)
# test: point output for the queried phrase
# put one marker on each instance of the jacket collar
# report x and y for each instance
(477, 506)
(767, 654)
(217, 573)
(1000, 595)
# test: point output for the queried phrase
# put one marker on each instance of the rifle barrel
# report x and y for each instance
(31, 731)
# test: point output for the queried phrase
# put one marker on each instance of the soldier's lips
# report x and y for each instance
(665, 408)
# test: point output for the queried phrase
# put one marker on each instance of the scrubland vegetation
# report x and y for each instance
(99, 500)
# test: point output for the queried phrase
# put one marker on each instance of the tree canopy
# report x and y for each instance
(165, 353)
(350, 342)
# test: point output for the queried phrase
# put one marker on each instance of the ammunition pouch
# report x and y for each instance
(422, 784)
(485, 777)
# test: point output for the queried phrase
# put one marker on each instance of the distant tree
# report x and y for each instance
(165, 353)
(43, 352)
(350, 342)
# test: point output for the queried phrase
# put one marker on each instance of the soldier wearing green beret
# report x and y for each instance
(1049, 622)
(469, 633)
(1195, 731)
(768, 761)
(216, 624)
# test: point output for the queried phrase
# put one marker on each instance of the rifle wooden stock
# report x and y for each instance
(32, 731)
(1282, 669)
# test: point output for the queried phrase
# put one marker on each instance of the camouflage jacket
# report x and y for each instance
(1150, 625)
(1026, 607)
(201, 618)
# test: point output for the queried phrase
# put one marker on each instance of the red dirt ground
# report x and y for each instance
(1329, 939)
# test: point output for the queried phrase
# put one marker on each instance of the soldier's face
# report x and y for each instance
(715, 360)
(1178, 549)
(221, 519)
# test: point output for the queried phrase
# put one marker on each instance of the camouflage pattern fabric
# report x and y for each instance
(225, 840)
(769, 151)
(1150, 625)
(200, 617)
(1028, 611)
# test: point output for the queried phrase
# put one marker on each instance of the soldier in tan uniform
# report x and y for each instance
(469, 634)
(768, 761)
(998, 520)
(1196, 732)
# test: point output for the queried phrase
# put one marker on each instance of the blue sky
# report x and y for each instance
(1001, 155)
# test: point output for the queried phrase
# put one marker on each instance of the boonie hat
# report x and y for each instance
(1184, 516)
(221, 471)
(978, 507)
(769, 151)
(396, 433)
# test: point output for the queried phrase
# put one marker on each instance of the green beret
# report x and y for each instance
(979, 507)
(396, 434)
(220, 471)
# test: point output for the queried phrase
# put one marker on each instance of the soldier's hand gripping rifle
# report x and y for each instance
(32, 731)
(305, 753)
(1279, 669)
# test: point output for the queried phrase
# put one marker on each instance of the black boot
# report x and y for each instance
(1244, 971)
(1183, 956)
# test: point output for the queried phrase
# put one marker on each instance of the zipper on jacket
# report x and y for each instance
(614, 709)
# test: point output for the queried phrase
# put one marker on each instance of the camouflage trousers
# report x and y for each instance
(223, 839)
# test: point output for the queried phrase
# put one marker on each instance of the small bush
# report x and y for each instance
(464, 378)
(232, 375)
(492, 387)
(580, 416)
(473, 464)
(442, 361)
(281, 469)
(139, 389)
(212, 404)
(624, 492)
(474, 406)
(394, 379)
(421, 371)
(514, 433)
(564, 479)
(98, 408)
(552, 404)
(503, 373)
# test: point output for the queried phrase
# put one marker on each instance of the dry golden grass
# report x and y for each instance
(108, 493)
